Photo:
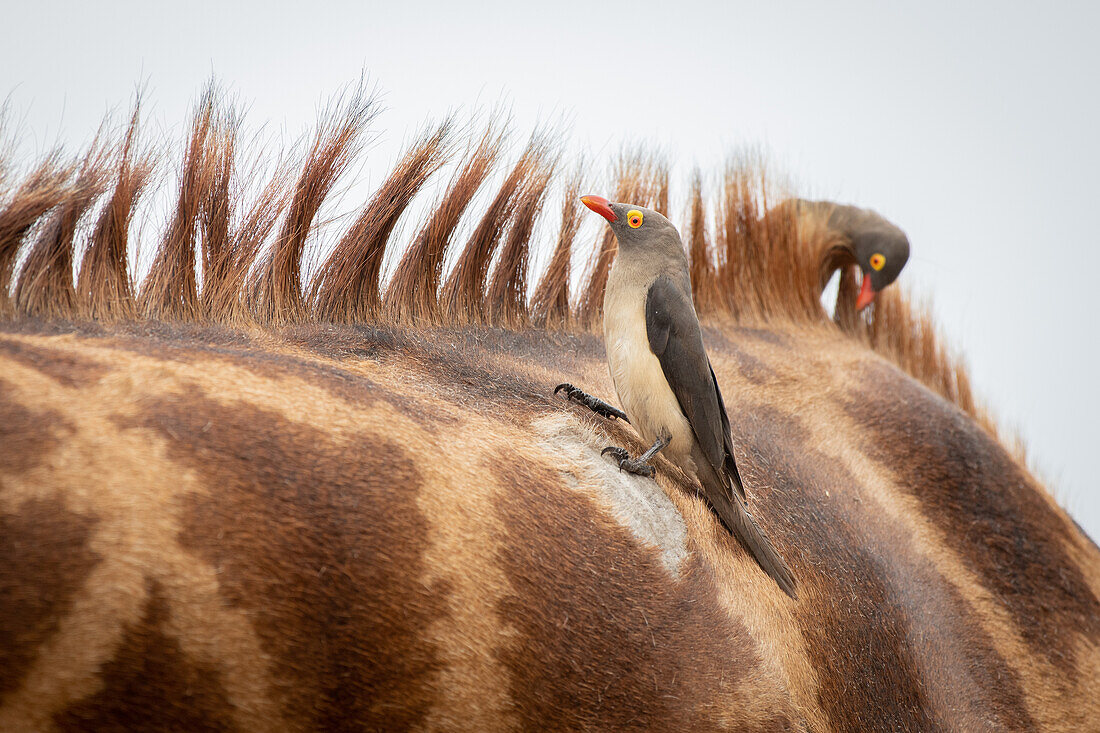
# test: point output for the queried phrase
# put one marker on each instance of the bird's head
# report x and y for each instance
(634, 225)
(881, 251)
(853, 236)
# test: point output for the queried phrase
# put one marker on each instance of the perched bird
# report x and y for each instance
(662, 373)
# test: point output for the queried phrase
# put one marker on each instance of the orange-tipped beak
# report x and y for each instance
(600, 205)
(866, 294)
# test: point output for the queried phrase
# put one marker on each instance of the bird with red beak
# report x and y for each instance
(878, 246)
(867, 239)
(663, 376)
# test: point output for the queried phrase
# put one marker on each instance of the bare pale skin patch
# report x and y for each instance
(637, 503)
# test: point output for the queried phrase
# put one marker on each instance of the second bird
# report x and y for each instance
(662, 373)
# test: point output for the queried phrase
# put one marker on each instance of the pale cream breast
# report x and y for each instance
(636, 372)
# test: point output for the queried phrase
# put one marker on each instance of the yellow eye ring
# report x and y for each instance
(878, 261)
(634, 218)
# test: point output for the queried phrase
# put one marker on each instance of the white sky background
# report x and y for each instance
(975, 128)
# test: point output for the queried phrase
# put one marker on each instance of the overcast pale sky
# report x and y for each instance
(974, 126)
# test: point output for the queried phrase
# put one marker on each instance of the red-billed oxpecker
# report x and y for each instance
(662, 373)
(878, 246)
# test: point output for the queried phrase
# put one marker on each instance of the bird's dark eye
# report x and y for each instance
(878, 261)
(634, 218)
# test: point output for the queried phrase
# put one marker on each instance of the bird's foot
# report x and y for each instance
(595, 404)
(635, 466)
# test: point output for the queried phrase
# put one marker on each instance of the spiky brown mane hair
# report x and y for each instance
(225, 258)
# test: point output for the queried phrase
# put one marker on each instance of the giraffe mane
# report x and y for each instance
(229, 258)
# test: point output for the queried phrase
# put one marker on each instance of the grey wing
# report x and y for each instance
(677, 341)
(730, 464)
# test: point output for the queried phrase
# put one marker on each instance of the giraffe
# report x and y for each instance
(240, 497)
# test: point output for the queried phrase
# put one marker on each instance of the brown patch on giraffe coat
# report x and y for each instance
(869, 595)
(989, 510)
(766, 335)
(321, 542)
(65, 367)
(856, 635)
(27, 435)
(151, 684)
(607, 640)
(44, 560)
(751, 368)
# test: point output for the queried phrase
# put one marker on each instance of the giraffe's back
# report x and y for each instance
(380, 529)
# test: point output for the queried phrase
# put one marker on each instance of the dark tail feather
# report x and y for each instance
(741, 524)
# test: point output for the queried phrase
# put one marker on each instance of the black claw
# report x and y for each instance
(608, 411)
(595, 404)
(628, 464)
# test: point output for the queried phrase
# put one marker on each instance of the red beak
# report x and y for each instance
(866, 294)
(600, 205)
